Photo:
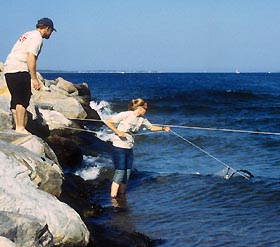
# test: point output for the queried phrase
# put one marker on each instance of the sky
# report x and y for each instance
(150, 35)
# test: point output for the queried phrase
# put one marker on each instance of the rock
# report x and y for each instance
(20, 181)
(55, 95)
(92, 114)
(5, 113)
(66, 86)
(55, 89)
(24, 231)
(1, 67)
(54, 119)
(46, 174)
(68, 106)
(76, 193)
(68, 153)
(6, 118)
(84, 92)
(31, 177)
(83, 89)
(46, 83)
(5, 242)
(5, 96)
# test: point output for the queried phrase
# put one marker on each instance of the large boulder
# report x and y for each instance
(68, 152)
(38, 158)
(54, 119)
(66, 86)
(20, 193)
(68, 106)
(5, 113)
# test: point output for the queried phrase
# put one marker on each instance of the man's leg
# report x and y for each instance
(20, 120)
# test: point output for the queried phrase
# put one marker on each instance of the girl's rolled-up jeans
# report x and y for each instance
(123, 160)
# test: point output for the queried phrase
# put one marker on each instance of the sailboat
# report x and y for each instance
(237, 71)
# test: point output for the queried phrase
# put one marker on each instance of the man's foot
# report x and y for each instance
(23, 131)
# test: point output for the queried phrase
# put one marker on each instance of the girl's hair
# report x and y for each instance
(135, 103)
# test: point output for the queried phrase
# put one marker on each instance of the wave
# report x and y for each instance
(94, 167)
(103, 109)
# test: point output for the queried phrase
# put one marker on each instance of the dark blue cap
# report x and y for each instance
(47, 22)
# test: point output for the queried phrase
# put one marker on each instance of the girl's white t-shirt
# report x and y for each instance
(128, 123)
(17, 59)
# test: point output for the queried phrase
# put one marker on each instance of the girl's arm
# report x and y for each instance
(160, 128)
(110, 124)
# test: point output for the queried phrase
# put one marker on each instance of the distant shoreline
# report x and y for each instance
(146, 72)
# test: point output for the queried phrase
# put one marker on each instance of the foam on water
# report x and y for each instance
(92, 167)
(103, 108)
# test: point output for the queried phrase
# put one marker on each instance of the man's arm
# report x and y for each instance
(31, 63)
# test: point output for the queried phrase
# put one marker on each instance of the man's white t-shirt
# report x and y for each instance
(17, 59)
(128, 123)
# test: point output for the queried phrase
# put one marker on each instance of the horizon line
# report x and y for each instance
(153, 72)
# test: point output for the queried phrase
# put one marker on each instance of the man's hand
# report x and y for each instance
(36, 84)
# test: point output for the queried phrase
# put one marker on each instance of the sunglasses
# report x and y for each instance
(145, 108)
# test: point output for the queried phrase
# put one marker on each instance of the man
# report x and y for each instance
(20, 70)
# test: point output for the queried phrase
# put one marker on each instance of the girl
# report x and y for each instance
(124, 125)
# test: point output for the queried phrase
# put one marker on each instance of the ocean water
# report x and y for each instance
(179, 192)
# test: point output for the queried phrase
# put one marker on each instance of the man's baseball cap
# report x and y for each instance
(46, 22)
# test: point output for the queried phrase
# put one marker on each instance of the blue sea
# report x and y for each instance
(187, 188)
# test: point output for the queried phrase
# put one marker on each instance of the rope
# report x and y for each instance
(198, 128)
(227, 130)
(94, 132)
(207, 153)
(87, 119)
(84, 130)
(223, 163)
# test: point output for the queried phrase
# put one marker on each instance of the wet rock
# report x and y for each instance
(68, 153)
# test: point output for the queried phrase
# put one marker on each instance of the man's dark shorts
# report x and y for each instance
(19, 85)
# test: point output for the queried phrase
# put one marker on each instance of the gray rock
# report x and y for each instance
(31, 176)
(24, 231)
(5, 242)
(66, 86)
(59, 103)
(30, 152)
(22, 174)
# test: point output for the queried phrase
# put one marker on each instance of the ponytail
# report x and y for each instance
(135, 103)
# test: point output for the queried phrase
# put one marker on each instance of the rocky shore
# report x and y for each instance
(40, 204)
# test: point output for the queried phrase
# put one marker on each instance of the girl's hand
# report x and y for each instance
(121, 134)
(167, 129)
